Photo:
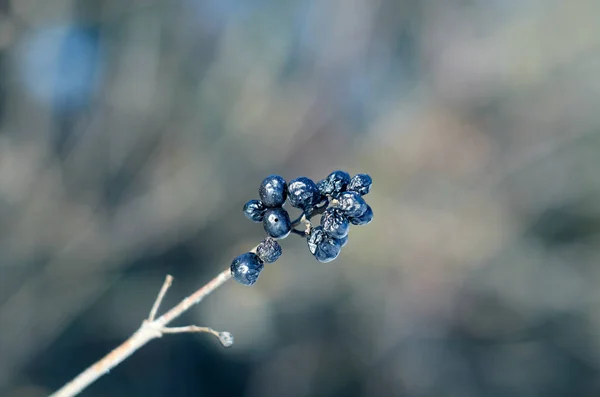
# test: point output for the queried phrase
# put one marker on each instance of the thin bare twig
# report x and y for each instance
(225, 338)
(150, 329)
(190, 329)
(160, 297)
(153, 328)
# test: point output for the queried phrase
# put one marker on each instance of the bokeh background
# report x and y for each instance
(132, 132)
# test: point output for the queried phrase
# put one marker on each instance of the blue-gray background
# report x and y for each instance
(132, 132)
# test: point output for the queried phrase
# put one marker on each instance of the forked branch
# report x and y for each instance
(151, 328)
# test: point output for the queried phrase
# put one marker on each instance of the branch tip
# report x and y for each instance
(226, 338)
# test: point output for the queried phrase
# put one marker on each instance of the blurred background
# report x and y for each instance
(132, 133)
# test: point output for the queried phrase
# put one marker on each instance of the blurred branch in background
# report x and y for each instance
(132, 132)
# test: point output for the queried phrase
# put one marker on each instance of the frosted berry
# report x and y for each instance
(246, 268)
(335, 183)
(364, 219)
(268, 250)
(273, 191)
(361, 184)
(352, 204)
(325, 187)
(316, 236)
(323, 247)
(339, 180)
(303, 193)
(335, 223)
(254, 210)
(277, 223)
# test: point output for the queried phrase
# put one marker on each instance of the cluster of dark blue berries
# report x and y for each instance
(338, 198)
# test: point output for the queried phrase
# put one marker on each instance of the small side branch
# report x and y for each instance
(160, 297)
(225, 338)
(150, 329)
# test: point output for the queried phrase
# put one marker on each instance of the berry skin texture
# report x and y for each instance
(335, 183)
(317, 236)
(246, 268)
(324, 248)
(352, 204)
(273, 191)
(335, 223)
(325, 187)
(268, 250)
(277, 223)
(339, 180)
(364, 219)
(361, 184)
(343, 241)
(254, 210)
(303, 193)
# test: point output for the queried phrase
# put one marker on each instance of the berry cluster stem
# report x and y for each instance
(304, 218)
(151, 328)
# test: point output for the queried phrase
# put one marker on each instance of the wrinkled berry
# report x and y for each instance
(317, 236)
(325, 187)
(303, 193)
(361, 184)
(273, 191)
(246, 268)
(335, 223)
(339, 180)
(277, 223)
(364, 219)
(352, 204)
(335, 183)
(268, 250)
(324, 248)
(254, 210)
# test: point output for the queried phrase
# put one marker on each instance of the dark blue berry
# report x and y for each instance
(343, 241)
(339, 180)
(273, 191)
(268, 250)
(325, 187)
(323, 247)
(277, 223)
(254, 210)
(317, 236)
(352, 204)
(335, 183)
(303, 193)
(335, 223)
(364, 219)
(361, 184)
(246, 268)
